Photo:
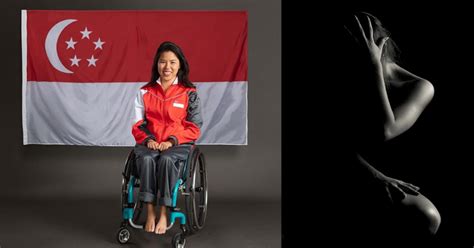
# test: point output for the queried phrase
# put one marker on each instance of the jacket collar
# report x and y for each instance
(174, 82)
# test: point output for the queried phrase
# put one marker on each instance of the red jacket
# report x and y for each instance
(174, 115)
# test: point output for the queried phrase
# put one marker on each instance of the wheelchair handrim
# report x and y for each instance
(199, 220)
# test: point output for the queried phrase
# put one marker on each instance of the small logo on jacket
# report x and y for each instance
(178, 105)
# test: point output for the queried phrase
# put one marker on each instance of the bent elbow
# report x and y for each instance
(427, 90)
(394, 129)
(388, 133)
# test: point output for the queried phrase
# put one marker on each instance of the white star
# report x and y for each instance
(92, 61)
(70, 44)
(75, 61)
(98, 44)
(85, 33)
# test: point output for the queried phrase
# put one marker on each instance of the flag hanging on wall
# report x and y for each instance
(83, 69)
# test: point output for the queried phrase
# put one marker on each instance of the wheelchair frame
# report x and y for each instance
(192, 184)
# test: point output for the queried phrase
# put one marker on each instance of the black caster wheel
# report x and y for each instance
(178, 241)
(123, 235)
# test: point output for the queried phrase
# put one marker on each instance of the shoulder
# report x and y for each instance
(401, 78)
(192, 95)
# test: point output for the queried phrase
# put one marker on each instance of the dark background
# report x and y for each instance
(435, 154)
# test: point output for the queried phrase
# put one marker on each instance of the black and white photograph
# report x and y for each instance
(387, 162)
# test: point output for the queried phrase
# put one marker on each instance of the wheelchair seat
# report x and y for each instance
(192, 184)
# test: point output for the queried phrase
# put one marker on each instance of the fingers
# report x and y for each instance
(382, 42)
(409, 188)
(402, 193)
(413, 186)
(389, 195)
(361, 28)
(150, 144)
(164, 146)
(158, 146)
(398, 192)
(371, 31)
(153, 145)
(369, 39)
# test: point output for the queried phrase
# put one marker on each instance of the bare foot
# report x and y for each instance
(162, 223)
(150, 219)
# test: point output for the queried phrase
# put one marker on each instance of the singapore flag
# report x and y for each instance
(83, 69)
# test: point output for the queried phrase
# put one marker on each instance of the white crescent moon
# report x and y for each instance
(51, 44)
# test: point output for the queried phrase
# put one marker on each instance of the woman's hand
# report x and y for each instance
(153, 145)
(366, 41)
(164, 145)
(396, 189)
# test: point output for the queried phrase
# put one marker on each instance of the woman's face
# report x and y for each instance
(168, 66)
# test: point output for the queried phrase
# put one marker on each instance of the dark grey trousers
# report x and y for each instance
(159, 172)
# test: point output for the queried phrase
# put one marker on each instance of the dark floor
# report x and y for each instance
(94, 223)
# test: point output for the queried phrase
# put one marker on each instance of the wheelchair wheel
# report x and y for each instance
(196, 187)
(178, 241)
(123, 235)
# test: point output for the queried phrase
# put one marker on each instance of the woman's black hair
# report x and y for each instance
(183, 73)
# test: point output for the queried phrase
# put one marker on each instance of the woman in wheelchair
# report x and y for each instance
(167, 120)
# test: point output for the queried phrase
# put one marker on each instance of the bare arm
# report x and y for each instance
(405, 114)
(395, 189)
(395, 119)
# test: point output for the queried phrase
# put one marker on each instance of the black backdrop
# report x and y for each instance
(435, 154)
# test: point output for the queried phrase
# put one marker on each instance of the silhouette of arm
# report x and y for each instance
(395, 189)
(395, 119)
(419, 93)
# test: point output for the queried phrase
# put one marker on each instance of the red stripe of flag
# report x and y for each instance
(214, 42)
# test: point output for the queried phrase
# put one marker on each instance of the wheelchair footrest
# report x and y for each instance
(180, 215)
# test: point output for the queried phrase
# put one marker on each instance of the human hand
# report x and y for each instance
(366, 40)
(397, 190)
(153, 145)
(164, 145)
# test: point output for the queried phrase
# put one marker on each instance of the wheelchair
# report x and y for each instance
(192, 184)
